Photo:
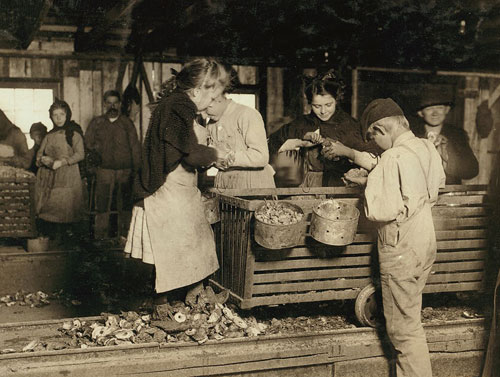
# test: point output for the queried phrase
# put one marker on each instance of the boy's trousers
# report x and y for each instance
(406, 254)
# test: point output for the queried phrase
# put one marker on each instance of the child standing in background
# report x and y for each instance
(37, 133)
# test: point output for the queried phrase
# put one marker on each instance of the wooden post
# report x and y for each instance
(96, 94)
(485, 149)
(145, 70)
(311, 72)
(156, 78)
(262, 106)
(145, 76)
(71, 88)
(354, 100)
(86, 99)
(121, 75)
(274, 94)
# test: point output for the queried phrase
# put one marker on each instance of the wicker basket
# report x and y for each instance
(17, 210)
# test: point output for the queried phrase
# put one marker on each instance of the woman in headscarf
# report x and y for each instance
(59, 188)
(168, 227)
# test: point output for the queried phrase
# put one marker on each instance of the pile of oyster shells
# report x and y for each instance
(204, 316)
(34, 299)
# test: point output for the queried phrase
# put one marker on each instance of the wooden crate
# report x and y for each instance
(313, 271)
(17, 210)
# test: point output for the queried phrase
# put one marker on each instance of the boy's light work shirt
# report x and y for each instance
(399, 194)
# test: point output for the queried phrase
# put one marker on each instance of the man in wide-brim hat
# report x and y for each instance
(451, 142)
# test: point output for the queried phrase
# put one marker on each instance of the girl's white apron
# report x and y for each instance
(172, 232)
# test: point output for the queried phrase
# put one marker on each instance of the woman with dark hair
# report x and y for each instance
(59, 188)
(326, 122)
(168, 227)
(131, 102)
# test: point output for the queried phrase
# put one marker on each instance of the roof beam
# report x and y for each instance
(97, 35)
(25, 42)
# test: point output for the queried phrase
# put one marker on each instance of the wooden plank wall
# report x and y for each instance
(486, 149)
(83, 81)
(275, 109)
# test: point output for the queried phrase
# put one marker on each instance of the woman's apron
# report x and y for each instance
(59, 193)
(172, 231)
(182, 240)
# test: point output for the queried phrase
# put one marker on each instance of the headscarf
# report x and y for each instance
(69, 127)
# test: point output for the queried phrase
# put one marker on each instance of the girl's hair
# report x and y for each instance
(201, 72)
(59, 104)
(130, 94)
(324, 84)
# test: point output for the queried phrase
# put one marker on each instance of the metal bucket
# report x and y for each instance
(278, 236)
(211, 204)
(334, 222)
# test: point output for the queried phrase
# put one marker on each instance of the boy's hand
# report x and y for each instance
(340, 149)
(357, 175)
(314, 137)
(358, 180)
(334, 149)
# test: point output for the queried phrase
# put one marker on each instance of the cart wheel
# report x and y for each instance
(366, 308)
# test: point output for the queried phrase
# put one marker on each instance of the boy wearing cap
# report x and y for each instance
(400, 190)
(451, 142)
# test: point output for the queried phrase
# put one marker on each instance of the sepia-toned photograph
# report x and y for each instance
(250, 188)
